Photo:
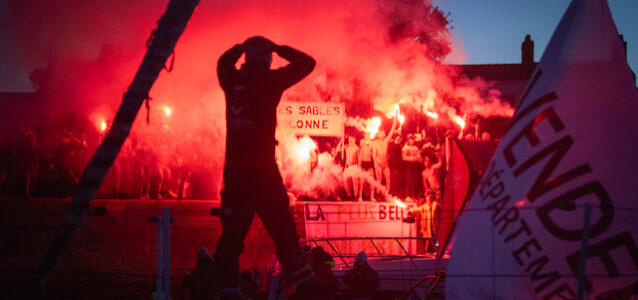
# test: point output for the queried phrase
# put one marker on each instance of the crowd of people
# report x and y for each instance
(396, 164)
(48, 163)
(164, 165)
(360, 282)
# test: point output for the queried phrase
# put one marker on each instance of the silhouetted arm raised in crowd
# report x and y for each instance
(301, 64)
(226, 65)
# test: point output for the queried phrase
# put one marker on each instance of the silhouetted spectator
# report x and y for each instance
(366, 163)
(181, 173)
(380, 147)
(69, 153)
(200, 281)
(248, 286)
(322, 264)
(66, 156)
(428, 148)
(411, 158)
(338, 153)
(430, 174)
(427, 214)
(485, 136)
(162, 171)
(351, 157)
(145, 159)
(26, 163)
(47, 178)
(395, 162)
(307, 251)
(252, 182)
(128, 187)
(362, 280)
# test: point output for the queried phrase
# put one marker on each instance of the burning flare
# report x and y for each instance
(373, 126)
(460, 121)
(393, 113)
(103, 126)
(167, 111)
(304, 146)
(396, 113)
(400, 203)
(431, 114)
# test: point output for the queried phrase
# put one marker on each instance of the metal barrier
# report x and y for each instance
(372, 239)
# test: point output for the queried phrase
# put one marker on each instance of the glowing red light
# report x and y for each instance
(373, 126)
(167, 111)
(460, 121)
(431, 114)
(400, 203)
(304, 147)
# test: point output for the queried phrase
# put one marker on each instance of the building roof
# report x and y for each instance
(499, 72)
(20, 97)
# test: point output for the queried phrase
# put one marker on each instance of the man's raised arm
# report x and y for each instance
(392, 130)
(301, 64)
(226, 64)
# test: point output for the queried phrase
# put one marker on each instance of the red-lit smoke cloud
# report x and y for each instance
(373, 52)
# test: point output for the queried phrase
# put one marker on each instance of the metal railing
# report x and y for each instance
(405, 252)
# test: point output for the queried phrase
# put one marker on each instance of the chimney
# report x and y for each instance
(624, 43)
(527, 51)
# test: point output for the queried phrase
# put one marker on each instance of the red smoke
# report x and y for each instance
(370, 53)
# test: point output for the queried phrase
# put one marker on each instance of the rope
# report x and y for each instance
(148, 109)
(171, 64)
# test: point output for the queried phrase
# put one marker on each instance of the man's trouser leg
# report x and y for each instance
(236, 222)
(291, 257)
(276, 217)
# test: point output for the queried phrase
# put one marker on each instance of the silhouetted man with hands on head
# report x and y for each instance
(252, 183)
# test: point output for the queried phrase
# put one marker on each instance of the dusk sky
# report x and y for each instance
(492, 31)
(487, 32)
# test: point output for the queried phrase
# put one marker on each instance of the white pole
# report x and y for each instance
(167, 253)
(158, 278)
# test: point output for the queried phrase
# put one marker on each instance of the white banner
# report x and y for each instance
(572, 141)
(360, 220)
(312, 118)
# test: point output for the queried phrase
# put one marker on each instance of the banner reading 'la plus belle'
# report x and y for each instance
(360, 220)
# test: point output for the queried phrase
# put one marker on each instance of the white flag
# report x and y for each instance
(573, 140)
